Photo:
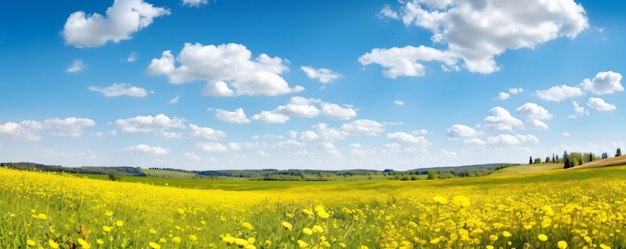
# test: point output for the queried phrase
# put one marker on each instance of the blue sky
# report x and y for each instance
(234, 84)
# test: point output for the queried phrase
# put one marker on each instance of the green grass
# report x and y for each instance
(529, 169)
(168, 173)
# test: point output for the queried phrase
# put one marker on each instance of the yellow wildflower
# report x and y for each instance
(561, 244)
(307, 231)
(542, 237)
(287, 225)
(302, 244)
(53, 244)
(31, 242)
(154, 245)
(119, 223)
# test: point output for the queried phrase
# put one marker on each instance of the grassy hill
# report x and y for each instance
(614, 161)
(529, 169)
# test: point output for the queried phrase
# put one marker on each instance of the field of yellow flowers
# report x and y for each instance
(567, 209)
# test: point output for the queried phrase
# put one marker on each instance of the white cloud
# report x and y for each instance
(132, 57)
(363, 126)
(334, 111)
(68, 127)
(527, 138)
(76, 66)
(26, 130)
(309, 136)
(503, 139)
(212, 147)
(478, 31)
(325, 133)
(173, 100)
(120, 89)
(300, 107)
(194, 3)
(405, 61)
(558, 93)
(191, 156)
(474, 141)
(565, 134)
(238, 116)
(227, 69)
(459, 130)
(536, 124)
(122, 19)
(533, 111)
(503, 96)
(205, 133)
(324, 75)
(599, 104)
(406, 138)
(604, 83)
(579, 111)
(156, 150)
(159, 124)
(270, 117)
(398, 102)
(516, 90)
(501, 119)
(420, 132)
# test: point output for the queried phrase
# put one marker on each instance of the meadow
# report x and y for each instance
(583, 208)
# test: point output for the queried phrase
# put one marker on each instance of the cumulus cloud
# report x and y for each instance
(604, 83)
(300, 107)
(159, 124)
(516, 90)
(533, 111)
(212, 147)
(459, 130)
(478, 31)
(324, 75)
(306, 108)
(363, 126)
(194, 3)
(536, 124)
(122, 19)
(507, 139)
(503, 96)
(558, 93)
(26, 130)
(474, 141)
(68, 127)
(228, 70)
(270, 117)
(579, 111)
(144, 148)
(205, 133)
(76, 66)
(120, 89)
(501, 119)
(406, 138)
(599, 104)
(334, 111)
(238, 116)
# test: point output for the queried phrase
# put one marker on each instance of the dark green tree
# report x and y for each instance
(567, 164)
(530, 161)
(618, 152)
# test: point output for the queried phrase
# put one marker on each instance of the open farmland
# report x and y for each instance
(580, 208)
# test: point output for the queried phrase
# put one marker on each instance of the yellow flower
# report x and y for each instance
(119, 223)
(83, 243)
(106, 228)
(241, 242)
(489, 247)
(302, 244)
(287, 225)
(152, 231)
(561, 244)
(493, 237)
(364, 247)
(318, 229)
(267, 243)
(42, 216)
(307, 212)
(162, 240)
(251, 240)
(343, 245)
(323, 215)
(99, 241)
(434, 241)
(193, 237)
(247, 225)
(461, 201)
(440, 199)
(542, 237)
(603, 246)
(506, 234)
(108, 213)
(249, 246)
(176, 239)
(31, 242)
(307, 231)
(53, 244)
(154, 245)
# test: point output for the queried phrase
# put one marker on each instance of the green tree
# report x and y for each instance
(538, 160)
(530, 161)
(618, 152)
(432, 175)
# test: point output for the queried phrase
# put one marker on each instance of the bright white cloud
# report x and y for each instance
(238, 116)
(604, 83)
(406, 138)
(300, 107)
(579, 111)
(516, 90)
(144, 148)
(194, 3)
(212, 147)
(324, 75)
(122, 19)
(159, 124)
(227, 69)
(533, 111)
(478, 31)
(501, 119)
(459, 130)
(406, 61)
(26, 130)
(120, 89)
(503, 96)
(334, 111)
(599, 104)
(536, 124)
(508, 139)
(76, 66)
(474, 141)
(205, 133)
(558, 93)
(270, 117)
(363, 126)
(398, 102)
(68, 127)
